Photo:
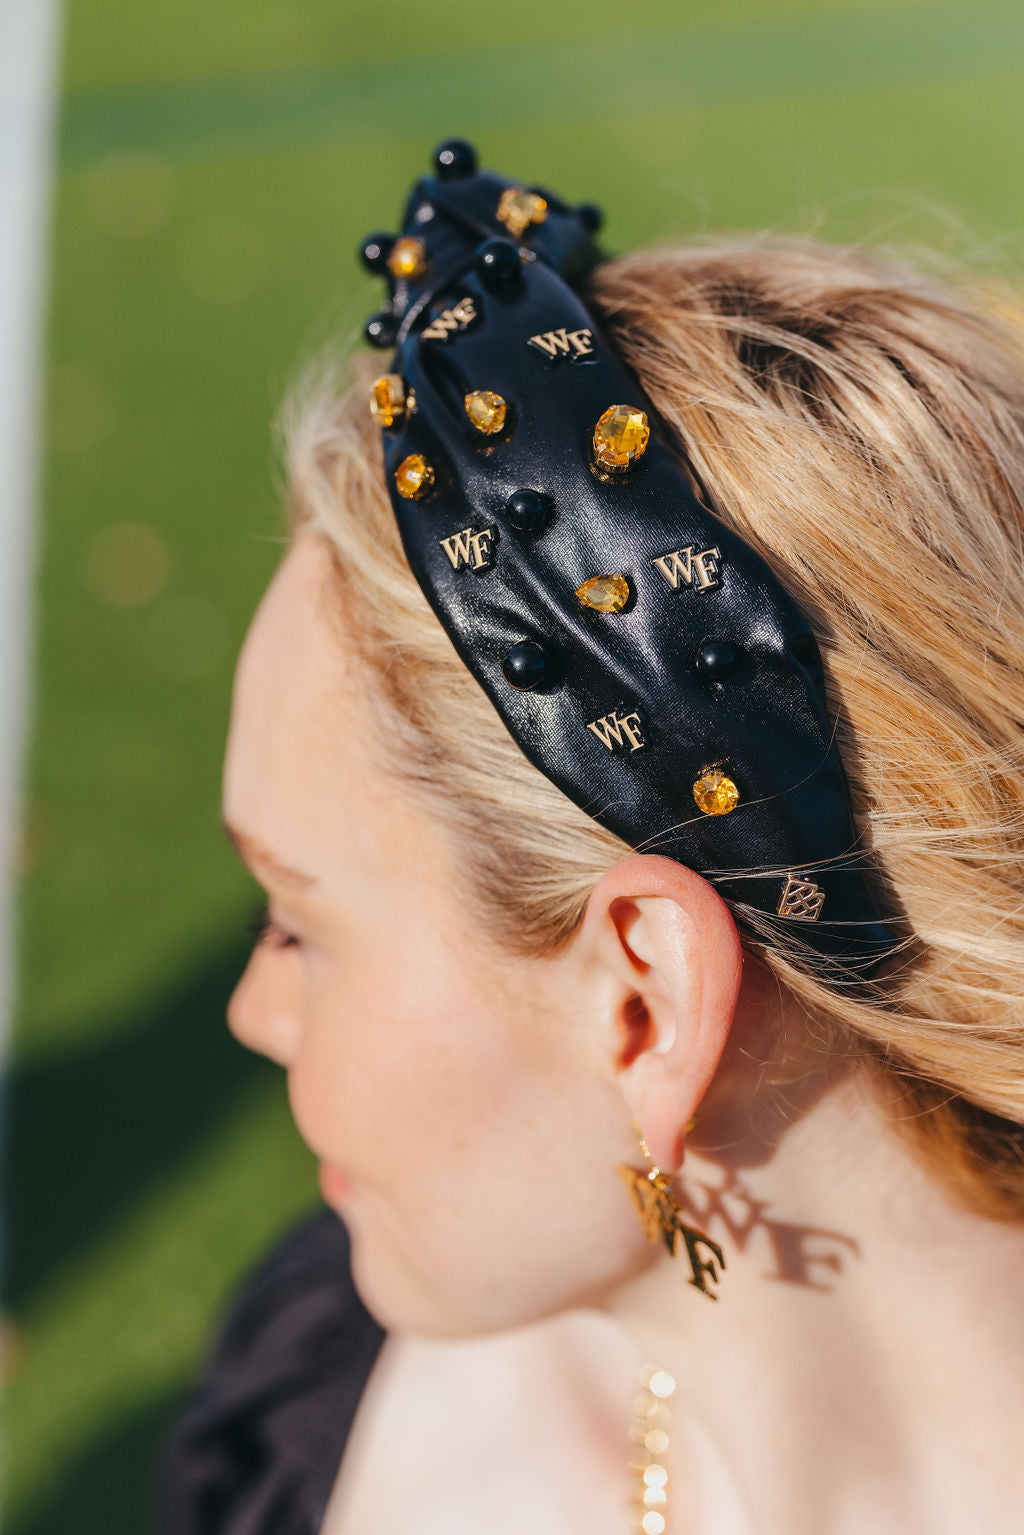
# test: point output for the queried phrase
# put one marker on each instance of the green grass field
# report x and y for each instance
(217, 166)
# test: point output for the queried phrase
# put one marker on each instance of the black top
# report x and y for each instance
(257, 1446)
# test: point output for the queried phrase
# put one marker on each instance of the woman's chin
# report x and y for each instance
(334, 1186)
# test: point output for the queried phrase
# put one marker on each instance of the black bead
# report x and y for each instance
(454, 159)
(374, 252)
(381, 329)
(591, 217)
(716, 660)
(526, 666)
(528, 510)
(497, 263)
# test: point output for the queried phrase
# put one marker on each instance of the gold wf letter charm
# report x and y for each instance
(618, 731)
(556, 345)
(460, 317)
(662, 1220)
(694, 567)
(474, 550)
(802, 899)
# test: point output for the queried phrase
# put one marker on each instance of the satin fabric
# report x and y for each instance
(258, 1444)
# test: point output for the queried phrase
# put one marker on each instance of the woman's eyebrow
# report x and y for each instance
(253, 852)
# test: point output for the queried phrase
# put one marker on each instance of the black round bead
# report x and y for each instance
(591, 217)
(381, 329)
(374, 252)
(497, 263)
(716, 660)
(454, 159)
(528, 510)
(526, 666)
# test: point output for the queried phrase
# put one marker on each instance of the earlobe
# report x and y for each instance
(673, 958)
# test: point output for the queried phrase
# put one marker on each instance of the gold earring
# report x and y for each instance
(661, 1215)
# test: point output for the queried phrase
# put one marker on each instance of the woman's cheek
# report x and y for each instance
(319, 1085)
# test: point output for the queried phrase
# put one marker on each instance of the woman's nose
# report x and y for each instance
(263, 1012)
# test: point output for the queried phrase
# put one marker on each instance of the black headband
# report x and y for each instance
(643, 656)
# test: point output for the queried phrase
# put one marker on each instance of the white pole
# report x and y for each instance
(29, 41)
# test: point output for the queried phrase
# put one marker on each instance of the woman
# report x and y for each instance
(497, 984)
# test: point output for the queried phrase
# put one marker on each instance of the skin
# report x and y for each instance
(862, 1368)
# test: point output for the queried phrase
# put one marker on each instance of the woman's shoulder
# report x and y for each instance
(256, 1447)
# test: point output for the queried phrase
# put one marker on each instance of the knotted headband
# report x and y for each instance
(641, 654)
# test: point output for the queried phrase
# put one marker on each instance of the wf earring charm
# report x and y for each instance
(661, 1216)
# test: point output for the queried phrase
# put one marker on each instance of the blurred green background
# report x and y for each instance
(218, 163)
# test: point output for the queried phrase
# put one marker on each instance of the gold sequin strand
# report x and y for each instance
(649, 1439)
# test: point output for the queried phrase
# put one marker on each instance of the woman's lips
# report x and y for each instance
(334, 1186)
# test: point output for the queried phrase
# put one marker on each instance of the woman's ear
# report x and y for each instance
(669, 955)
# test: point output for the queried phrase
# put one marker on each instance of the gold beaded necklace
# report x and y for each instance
(648, 1434)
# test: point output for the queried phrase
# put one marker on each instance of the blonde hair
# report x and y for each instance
(862, 426)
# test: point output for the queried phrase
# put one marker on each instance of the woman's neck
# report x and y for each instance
(863, 1366)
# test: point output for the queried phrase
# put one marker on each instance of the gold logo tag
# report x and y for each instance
(556, 345)
(617, 731)
(692, 566)
(802, 899)
(662, 1220)
(459, 317)
(474, 550)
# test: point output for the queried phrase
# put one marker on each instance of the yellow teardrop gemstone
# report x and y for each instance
(518, 209)
(606, 594)
(620, 436)
(387, 399)
(486, 410)
(715, 793)
(408, 258)
(414, 477)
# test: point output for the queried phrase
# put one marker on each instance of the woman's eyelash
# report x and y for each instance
(263, 929)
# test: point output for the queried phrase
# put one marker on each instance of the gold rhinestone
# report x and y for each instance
(486, 410)
(606, 594)
(656, 1440)
(652, 1524)
(620, 437)
(414, 477)
(387, 399)
(518, 209)
(715, 793)
(408, 258)
(654, 1476)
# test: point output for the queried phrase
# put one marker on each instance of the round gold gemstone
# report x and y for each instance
(408, 258)
(486, 410)
(620, 437)
(606, 594)
(518, 209)
(715, 793)
(387, 399)
(414, 477)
